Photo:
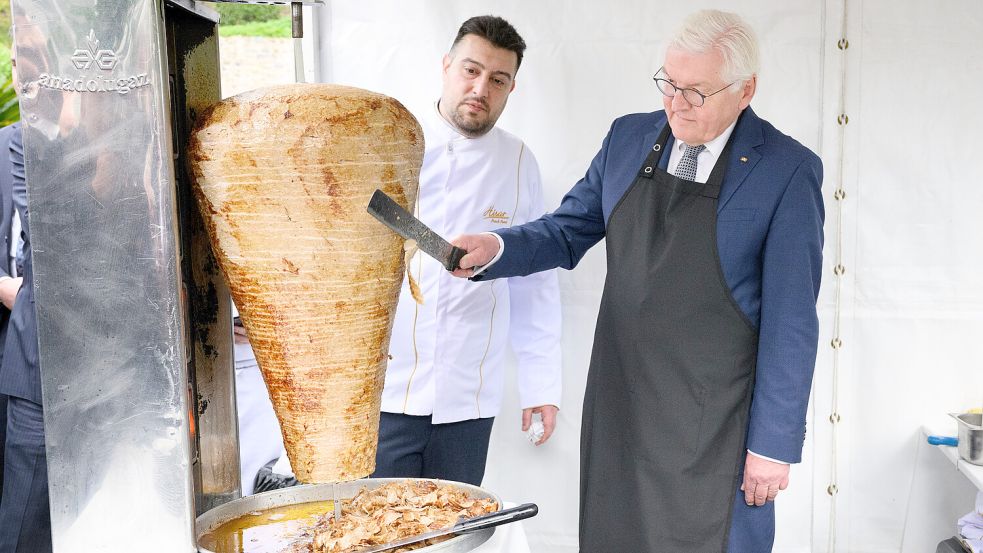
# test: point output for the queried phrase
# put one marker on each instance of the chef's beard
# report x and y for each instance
(473, 127)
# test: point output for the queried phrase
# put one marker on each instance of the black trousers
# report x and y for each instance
(412, 447)
(25, 517)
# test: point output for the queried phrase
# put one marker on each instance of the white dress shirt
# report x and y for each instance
(707, 158)
(447, 356)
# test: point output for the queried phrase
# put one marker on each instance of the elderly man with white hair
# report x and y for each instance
(707, 332)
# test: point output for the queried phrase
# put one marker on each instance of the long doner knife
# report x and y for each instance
(513, 514)
(391, 214)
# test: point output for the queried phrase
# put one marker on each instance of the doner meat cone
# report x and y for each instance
(283, 176)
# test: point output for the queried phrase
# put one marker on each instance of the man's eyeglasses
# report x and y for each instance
(691, 95)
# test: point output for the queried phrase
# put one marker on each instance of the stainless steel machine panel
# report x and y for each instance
(111, 316)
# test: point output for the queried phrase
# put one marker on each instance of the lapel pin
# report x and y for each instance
(743, 159)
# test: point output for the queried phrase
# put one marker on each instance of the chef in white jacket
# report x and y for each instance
(444, 381)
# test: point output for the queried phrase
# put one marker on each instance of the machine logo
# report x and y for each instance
(83, 58)
(93, 57)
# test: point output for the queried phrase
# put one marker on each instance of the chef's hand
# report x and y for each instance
(481, 249)
(763, 479)
(8, 291)
(547, 412)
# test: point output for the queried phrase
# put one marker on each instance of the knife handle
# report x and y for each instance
(454, 259)
(512, 514)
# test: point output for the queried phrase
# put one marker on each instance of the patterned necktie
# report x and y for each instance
(687, 165)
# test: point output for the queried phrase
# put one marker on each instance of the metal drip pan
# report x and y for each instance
(308, 493)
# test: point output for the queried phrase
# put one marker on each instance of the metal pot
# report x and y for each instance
(970, 437)
(296, 495)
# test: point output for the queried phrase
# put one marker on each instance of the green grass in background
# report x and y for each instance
(276, 28)
(253, 20)
(238, 14)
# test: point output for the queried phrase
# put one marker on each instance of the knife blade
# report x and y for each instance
(391, 214)
(512, 514)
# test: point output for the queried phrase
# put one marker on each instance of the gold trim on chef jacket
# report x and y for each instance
(416, 314)
(491, 321)
(518, 179)
(481, 366)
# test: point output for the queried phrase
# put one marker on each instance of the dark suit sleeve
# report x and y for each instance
(561, 238)
(789, 331)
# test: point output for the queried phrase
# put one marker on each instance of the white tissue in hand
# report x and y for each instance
(536, 431)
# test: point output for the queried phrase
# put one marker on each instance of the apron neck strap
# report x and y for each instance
(711, 189)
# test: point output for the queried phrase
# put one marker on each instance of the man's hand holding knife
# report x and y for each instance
(481, 248)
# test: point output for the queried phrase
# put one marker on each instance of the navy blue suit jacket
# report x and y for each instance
(769, 237)
(19, 372)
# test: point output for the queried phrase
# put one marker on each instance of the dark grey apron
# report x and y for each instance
(669, 387)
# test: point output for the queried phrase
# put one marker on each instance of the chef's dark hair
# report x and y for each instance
(496, 30)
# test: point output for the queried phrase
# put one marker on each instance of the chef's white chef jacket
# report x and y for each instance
(447, 356)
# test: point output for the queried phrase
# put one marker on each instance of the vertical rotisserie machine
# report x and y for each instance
(134, 318)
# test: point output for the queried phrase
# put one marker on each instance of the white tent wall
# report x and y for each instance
(912, 307)
(910, 304)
